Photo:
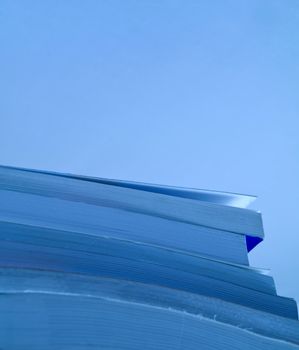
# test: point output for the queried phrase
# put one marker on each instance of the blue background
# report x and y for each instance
(192, 93)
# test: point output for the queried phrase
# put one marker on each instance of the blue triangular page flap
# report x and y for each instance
(252, 242)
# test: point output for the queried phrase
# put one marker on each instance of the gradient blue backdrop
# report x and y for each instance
(192, 93)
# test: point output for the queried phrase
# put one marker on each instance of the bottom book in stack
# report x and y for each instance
(65, 290)
(52, 310)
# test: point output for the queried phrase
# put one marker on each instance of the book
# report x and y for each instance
(63, 311)
(69, 203)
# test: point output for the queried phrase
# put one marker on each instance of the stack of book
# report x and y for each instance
(104, 264)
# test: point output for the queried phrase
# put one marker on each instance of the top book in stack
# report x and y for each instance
(204, 223)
